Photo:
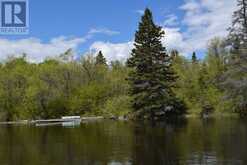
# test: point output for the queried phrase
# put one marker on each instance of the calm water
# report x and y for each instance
(221, 141)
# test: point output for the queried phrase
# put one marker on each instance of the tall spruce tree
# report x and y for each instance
(100, 59)
(152, 78)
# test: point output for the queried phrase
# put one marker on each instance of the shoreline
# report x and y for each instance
(115, 118)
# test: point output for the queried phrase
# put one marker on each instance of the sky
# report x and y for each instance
(109, 26)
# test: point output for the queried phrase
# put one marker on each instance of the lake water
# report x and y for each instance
(195, 141)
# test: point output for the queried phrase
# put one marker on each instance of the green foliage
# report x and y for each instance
(58, 87)
(14, 77)
(198, 82)
(118, 106)
(89, 99)
(158, 84)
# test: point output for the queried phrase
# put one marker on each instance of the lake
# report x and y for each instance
(195, 141)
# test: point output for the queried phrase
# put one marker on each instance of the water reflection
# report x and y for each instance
(221, 141)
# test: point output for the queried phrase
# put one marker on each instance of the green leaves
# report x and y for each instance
(59, 87)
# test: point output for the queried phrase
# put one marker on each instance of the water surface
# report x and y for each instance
(218, 141)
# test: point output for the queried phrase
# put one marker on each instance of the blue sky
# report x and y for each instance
(52, 18)
(84, 25)
(77, 17)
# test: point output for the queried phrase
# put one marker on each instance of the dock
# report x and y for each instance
(64, 121)
(55, 121)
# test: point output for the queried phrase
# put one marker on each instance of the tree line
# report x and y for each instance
(153, 83)
(58, 87)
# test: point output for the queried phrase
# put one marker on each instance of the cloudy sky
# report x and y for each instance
(57, 25)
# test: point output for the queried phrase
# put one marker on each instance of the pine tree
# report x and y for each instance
(194, 58)
(151, 79)
(238, 31)
(100, 59)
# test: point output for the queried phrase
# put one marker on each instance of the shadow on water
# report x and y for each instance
(193, 141)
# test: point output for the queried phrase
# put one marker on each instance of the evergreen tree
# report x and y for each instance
(235, 78)
(100, 59)
(152, 78)
(194, 58)
(238, 31)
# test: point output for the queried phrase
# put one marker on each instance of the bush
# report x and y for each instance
(89, 99)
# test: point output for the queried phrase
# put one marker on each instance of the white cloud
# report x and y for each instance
(206, 19)
(171, 20)
(203, 20)
(103, 31)
(174, 39)
(36, 50)
(112, 51)
(191, 5)
(140, 12)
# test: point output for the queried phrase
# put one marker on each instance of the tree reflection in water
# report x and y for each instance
(221, 141)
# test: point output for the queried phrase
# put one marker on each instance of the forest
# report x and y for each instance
(153, 83)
